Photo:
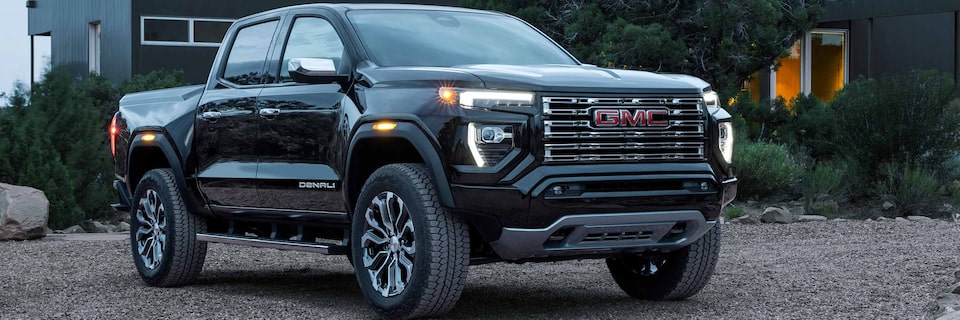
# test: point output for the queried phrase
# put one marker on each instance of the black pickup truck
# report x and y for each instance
(418, 140)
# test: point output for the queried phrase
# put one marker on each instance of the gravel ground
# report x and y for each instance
(853, 269)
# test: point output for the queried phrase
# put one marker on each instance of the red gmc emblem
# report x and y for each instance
(608, 118)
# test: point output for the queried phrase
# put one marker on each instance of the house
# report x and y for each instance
(868, 38)
(120, 38)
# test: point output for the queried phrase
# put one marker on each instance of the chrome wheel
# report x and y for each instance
(388, 244)
(151, 229)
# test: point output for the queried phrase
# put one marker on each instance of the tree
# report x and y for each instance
(721, 41)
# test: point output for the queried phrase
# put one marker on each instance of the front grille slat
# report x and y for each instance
(569, 136)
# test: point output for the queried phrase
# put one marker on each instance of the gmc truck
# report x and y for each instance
(419, 140)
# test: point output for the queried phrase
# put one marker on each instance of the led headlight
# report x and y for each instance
(725, 138)
(486, 99)
(488, 144)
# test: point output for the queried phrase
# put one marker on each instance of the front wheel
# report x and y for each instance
(163, 234)
(668, 276)
(409, 254)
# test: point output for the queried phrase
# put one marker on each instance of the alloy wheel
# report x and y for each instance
(388, 245)
(151, 229)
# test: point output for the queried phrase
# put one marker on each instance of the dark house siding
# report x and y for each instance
(894, 36)
(67, 23)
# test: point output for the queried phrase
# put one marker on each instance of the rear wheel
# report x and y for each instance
(669, 276)
(163, 234)
(409, 254)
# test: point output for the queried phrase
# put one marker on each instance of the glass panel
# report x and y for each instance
(210, 31)
(311, 38)
(451, 38)
(249, 51)
(788, 74)
(754, 86)
(827, 63)
(166, 30)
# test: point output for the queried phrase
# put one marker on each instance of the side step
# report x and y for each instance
(321, 248)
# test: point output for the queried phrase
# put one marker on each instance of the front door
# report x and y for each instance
(299, 137)
(227, 121)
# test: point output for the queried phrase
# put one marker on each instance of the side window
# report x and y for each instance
(311, 38)
(249, 52)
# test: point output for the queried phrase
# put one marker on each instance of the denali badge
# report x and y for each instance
(608, 118)
(317, 185)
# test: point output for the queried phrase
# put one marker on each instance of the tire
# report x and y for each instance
(430, 261)
(161, 223)
(674, 276)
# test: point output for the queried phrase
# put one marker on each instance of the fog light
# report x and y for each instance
(491, 135)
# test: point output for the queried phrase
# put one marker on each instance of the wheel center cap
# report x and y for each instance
(394, 244)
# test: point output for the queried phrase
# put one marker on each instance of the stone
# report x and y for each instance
(826, 208)
(888, 205)
(919, 219)
(96, 227)
(24, 213)
(839, 220)
(778, 215)
(948, 303)
(810, 218)
(73, 229)
(123, 226)
(901, 219)
(884, 219)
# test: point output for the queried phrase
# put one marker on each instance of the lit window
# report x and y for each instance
(789, 79)
(816, 64)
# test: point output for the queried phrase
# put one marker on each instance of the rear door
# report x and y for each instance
(300, 138)
(227, 120)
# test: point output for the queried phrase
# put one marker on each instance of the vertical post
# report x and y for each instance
(32, 68)
(956, 47)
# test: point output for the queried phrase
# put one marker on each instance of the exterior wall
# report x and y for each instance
(67, 22)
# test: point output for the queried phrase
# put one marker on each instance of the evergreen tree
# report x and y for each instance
(723, 42)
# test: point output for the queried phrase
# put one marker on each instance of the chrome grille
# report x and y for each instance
(569, 136)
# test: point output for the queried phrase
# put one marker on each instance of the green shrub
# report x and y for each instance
(811, 126)
(733, 212)
(833, 180)
(765, 170)
(55, 139)
(826, 208)
(911, 119)
(913, 190)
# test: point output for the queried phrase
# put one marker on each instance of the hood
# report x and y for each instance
(555, 78)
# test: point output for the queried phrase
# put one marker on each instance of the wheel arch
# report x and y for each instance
(148, 155)
(405, 143)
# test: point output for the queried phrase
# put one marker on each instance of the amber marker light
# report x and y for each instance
(149, 137)
(448, 96)
(384, 126)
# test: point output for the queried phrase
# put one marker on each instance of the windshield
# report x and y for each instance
(444, 38)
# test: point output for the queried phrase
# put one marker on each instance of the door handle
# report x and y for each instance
(269, 113)
(211, 116)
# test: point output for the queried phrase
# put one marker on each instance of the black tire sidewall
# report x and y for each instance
(153, 180)
(394, 181)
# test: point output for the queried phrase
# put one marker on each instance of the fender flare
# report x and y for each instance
(161, 142)
(413, 133)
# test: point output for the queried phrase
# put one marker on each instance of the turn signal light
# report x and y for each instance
(448, 96)
(148, 137)
(384, 126)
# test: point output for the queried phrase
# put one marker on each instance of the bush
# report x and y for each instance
(913, 190)
(834, 180)
(912, 120)
(733, 212)
(55, 139)
(765, 170)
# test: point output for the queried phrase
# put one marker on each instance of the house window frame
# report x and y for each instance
(190, 32)
(806, 60)
(95, 47)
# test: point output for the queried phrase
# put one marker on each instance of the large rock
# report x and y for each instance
(23, 213)
(778, 215)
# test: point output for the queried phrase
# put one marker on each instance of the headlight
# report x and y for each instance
(725, 138)
(712, 99)
(485, 99)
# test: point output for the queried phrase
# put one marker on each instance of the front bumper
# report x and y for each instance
(599, 234)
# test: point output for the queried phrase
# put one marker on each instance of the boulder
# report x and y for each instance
(23, 213)
(123, 226)
(810, 217)
(778, 215)
(92, 226)
(884, 219)
(901, 219)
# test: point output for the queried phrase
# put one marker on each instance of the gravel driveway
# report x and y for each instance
(852, 269)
